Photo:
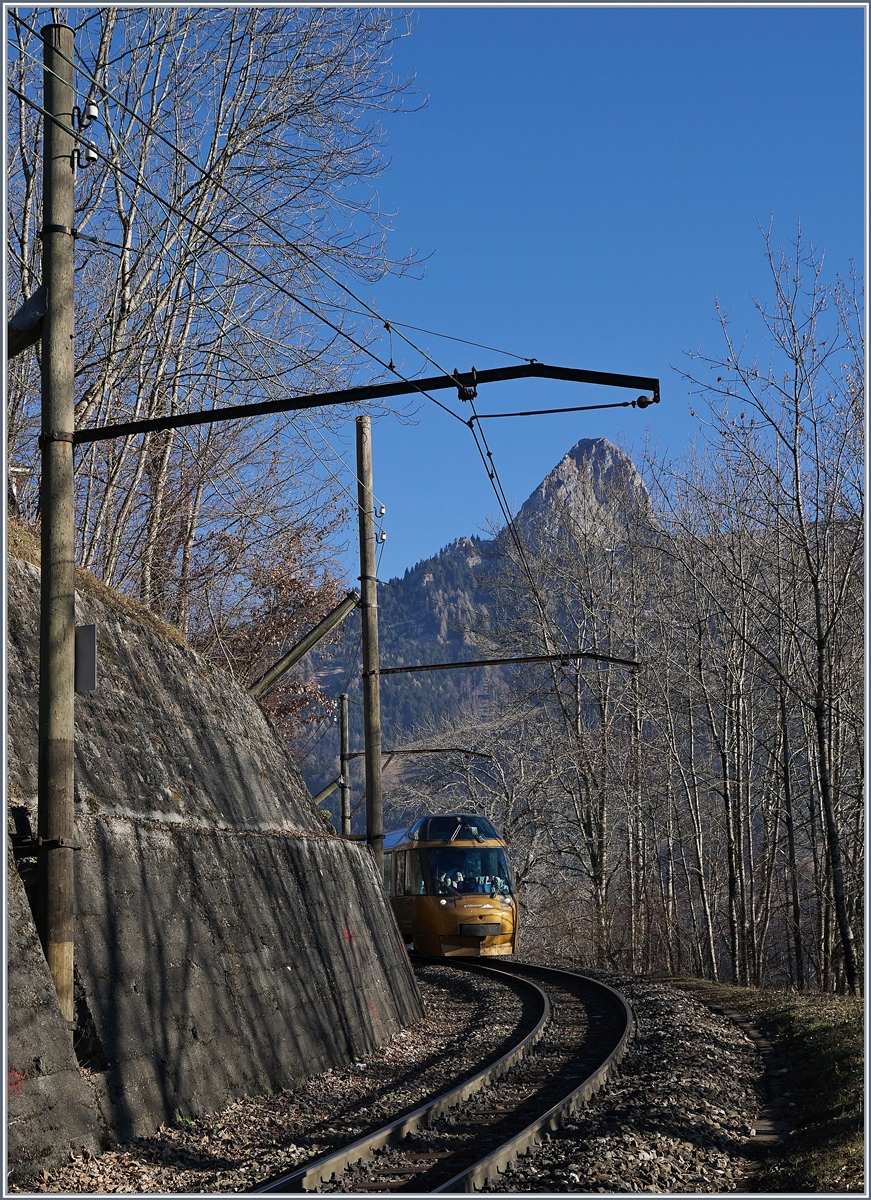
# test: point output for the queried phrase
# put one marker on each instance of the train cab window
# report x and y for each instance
(463, 871)
(408, 877)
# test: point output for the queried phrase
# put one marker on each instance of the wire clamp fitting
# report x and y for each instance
(57, 229)
(56, 435)
(54, 843)
(466, 393)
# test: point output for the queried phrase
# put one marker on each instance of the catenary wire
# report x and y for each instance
(230, 252)
(171, 208)
(246, 332)
(502, 500)
(484, 451)
(291, 245)
(230, 323)
(449, 337)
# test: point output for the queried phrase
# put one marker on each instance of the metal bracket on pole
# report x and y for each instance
(329, 789)
(302, 647)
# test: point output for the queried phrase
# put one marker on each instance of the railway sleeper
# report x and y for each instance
(394, 1176)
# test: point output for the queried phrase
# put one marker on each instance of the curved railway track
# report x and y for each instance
(470, 1133)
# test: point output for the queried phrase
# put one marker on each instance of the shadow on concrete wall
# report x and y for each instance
(213, 962)
(222, 963)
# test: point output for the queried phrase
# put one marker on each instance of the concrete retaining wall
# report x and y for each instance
(50, 1106)
(225, 942)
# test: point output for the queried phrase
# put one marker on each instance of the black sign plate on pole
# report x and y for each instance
(86, 658)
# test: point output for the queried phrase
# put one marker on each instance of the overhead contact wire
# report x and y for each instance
(502, 500)
(230, 252)
(485, 453)
(288, 243)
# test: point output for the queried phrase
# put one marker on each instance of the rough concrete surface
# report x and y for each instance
(225, 943)
(49, 1103)
(165, 733)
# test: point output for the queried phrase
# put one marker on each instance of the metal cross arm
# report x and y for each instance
(569, 656)
(466, 383)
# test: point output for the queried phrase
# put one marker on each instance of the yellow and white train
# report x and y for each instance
(451, 886)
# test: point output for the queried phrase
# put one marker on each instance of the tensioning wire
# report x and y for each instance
(485, 453)
(230, 252)
(231, 323)
(291, 245)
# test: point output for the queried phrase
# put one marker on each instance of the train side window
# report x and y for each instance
(414, 885)
(388, 873)
(399, 873)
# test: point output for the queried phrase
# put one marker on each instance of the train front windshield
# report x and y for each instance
(465, 871)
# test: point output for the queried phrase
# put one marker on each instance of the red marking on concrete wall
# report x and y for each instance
(15, 1081)
(373, 1010)
(348, 935)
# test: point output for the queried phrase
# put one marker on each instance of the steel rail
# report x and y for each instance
(538, 1131)
(322, 1170)
(330, 1166)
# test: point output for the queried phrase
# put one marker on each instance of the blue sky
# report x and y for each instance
(586, 182)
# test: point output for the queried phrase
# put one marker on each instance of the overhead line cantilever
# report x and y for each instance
(358, 395)
(570, 656)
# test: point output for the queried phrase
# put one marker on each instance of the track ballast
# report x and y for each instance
(472, 1132)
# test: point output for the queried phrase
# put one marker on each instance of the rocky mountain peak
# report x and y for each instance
(595, 487)
(432, 613)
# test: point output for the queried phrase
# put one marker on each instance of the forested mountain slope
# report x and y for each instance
(438, 610)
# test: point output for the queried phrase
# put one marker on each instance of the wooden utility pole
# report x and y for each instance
(369, 622)
(57, 518)
(344, 766)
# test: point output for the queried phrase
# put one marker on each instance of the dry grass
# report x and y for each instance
(819, 1040)
(22, 541)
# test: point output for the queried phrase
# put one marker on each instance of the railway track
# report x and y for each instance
(467, 1135)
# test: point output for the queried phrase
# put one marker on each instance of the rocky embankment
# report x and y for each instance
(678, 1117)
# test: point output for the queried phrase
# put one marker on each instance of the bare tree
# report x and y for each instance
(508, 779)
(234, 193)
(791, 431)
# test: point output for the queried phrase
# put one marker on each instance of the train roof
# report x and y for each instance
(443, 827)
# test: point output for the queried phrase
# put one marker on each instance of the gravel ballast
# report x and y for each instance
(471, 1019)
(677, 1117)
